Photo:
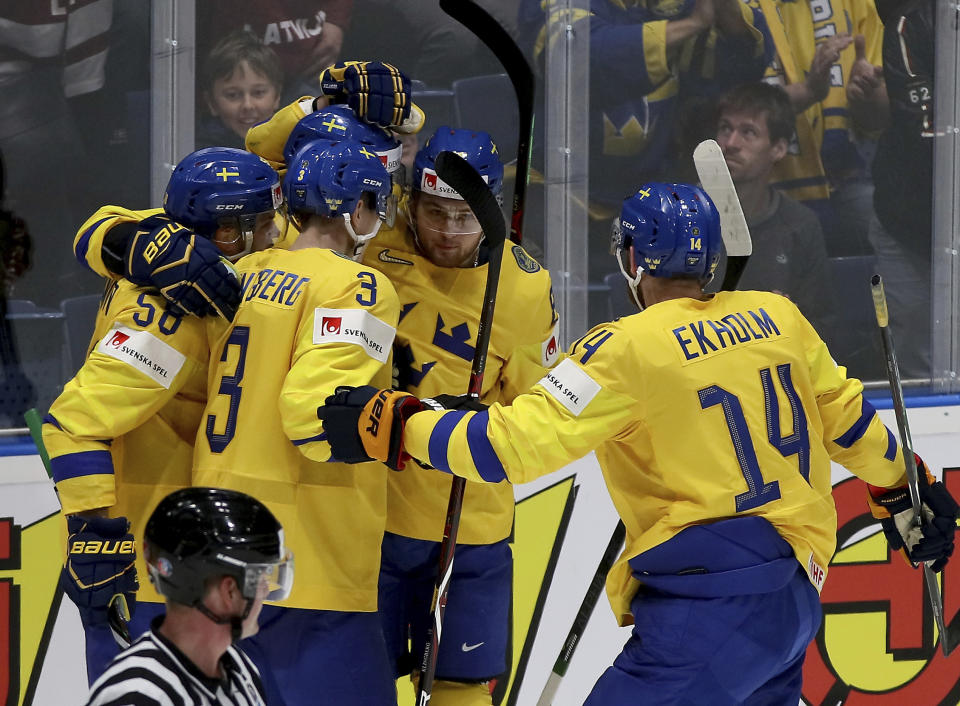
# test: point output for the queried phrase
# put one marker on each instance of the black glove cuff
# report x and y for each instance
(116, 242)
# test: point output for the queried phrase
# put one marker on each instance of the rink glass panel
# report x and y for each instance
(116, 144)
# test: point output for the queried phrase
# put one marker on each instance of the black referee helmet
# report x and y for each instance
(195, 534)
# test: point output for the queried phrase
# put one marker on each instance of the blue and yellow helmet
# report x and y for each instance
(668, 230)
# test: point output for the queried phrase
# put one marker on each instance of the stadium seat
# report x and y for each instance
(79, 315)
(32, 373)
(489, 103)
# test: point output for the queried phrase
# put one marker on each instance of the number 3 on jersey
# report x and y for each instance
(796, 444)
(230, 386)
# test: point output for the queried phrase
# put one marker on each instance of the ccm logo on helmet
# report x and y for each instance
(373, 182)
(229, 207)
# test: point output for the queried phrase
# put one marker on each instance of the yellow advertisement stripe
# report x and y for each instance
(43, 546)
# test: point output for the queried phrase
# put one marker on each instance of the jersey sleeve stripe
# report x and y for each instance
(83, 242)
(891, 452)
(859, 428)
(481, 450)
(440, 439)
(300, 442)
(82, 463)
(50, 419)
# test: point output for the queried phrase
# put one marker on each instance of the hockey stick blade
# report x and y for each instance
(464, 179)
(715, 180)
(458, 173)
(488, 30)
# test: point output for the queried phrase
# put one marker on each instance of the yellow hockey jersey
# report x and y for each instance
(310, 320)
(440, 308)
(825, 143)
(698, 410)
(120, 435)
(433, 354)
(88, 242)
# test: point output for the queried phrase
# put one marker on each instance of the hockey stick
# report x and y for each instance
(716, 181)
(458, 173)
(947, 642)
(118, 614)
(583, 615)
(498, 40)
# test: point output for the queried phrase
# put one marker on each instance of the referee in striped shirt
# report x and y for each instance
(215, 555)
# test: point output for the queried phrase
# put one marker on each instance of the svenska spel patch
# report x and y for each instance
(354, 326)
(570, 386)
(143, 351)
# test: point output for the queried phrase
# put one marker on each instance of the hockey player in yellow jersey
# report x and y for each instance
(435, 258)
(311, 319)
(121, 434)
(714, 419)
(438, 265)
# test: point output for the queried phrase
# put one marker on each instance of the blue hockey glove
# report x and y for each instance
(100, 556)
(933, 540)
(186, 268)
(377, 92)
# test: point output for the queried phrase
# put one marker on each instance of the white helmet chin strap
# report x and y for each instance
(360, 241)
(634, 282)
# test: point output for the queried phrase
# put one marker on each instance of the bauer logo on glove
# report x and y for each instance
(100, 564)
(160, 240)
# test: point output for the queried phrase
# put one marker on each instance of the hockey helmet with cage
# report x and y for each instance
(329, 179)
(222, 187)
(667, 230)
(474, 146)
(196, 534)
(336, 123)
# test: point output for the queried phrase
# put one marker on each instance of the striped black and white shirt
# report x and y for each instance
(153, 672)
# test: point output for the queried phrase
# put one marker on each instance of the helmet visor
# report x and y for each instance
(452, 220)
(271, 582)
(235, 234)
(387, 209)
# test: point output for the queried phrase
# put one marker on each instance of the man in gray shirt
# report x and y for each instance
(754, 125)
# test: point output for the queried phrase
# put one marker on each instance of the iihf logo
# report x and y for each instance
(118, 339)
(330, 325)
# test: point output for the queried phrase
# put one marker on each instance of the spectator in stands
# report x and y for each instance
(17, 393)
(828, 60)
(242, 82)
(307, 35)
(49, 53)
(901, 229)
(645, 59)
(754, 126)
